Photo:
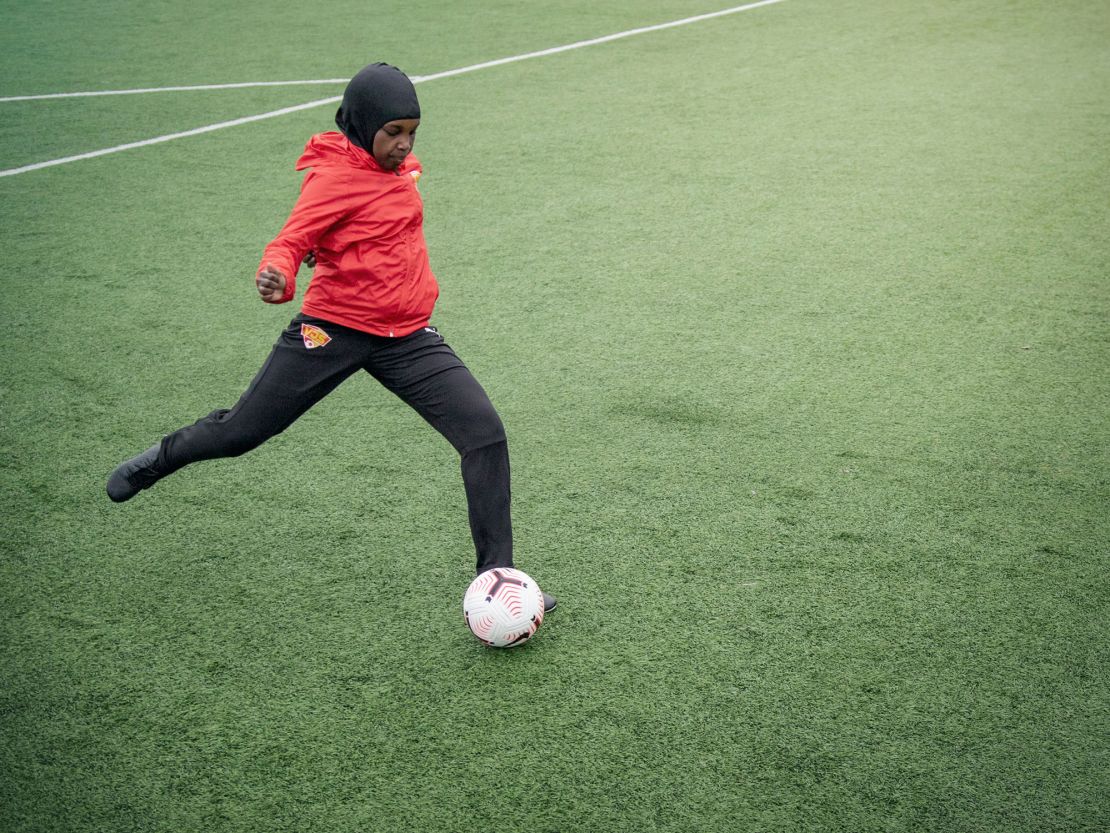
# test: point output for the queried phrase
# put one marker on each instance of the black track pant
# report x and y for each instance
(420, 368)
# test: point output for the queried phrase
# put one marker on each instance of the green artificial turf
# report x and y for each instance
(798, 321)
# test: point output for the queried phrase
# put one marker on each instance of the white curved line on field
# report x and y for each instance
(416, 79)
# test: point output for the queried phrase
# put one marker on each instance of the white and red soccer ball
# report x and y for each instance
(503, 607)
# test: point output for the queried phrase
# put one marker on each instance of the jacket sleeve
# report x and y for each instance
(321, 205)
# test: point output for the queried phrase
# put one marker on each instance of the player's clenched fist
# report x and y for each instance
(271, 284)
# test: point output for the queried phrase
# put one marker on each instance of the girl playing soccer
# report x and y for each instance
(367, 307)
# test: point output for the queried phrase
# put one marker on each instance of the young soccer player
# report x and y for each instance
(359, 219)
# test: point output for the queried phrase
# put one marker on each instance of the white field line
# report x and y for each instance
(416, 79)
(594, 41)
(239, 86)
(171, 136)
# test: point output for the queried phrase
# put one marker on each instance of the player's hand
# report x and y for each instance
(310, 260)
(271, 284)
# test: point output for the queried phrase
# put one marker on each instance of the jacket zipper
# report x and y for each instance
(410, 237)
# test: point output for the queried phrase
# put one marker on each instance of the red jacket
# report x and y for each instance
(365, 225)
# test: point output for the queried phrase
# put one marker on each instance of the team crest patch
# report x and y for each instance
(313, 336)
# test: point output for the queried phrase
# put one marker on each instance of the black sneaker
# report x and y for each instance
(549, 602)
(134, 475)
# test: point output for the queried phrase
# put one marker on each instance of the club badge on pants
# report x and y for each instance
(313, 336)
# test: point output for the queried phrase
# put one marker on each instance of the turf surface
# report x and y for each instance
(798, 322)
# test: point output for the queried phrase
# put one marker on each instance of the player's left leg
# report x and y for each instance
(426, 374)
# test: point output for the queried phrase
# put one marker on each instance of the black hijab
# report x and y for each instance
(380, 93)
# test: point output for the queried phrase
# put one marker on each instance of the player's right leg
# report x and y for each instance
(310, 359)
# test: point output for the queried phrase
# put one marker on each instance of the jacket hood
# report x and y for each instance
(334, 150)
(378, 94)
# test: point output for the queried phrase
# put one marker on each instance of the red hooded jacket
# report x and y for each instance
(366, 226)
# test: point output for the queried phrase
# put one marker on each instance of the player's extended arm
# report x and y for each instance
(323, 202)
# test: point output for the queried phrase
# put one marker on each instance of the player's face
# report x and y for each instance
(394, 142)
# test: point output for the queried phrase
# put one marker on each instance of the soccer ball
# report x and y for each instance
(503, 607)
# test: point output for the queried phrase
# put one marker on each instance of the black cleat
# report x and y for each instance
(549, 602)
(134, 475)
